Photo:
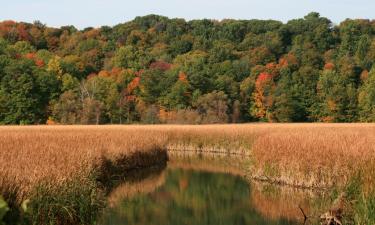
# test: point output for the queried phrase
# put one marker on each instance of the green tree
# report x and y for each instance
(338, 98)
(366, 99)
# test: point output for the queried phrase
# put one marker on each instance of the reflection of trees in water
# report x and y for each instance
(130, 189)
(276, 202)
(191, 197)
(204, 190)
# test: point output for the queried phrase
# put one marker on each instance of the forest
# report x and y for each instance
(154, 69)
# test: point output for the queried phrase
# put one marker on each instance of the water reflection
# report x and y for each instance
(275, 202)
(203, 190)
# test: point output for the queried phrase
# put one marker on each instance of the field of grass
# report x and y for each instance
(65, 171)
(38, 160)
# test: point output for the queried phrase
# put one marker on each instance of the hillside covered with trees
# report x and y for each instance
(159, 70)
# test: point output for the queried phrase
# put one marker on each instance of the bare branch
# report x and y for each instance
(304, 214)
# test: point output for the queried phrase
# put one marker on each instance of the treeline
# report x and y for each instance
(159, 70)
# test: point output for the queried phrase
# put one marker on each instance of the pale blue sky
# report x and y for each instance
(84, 13)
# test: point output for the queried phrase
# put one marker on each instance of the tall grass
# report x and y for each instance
(302, 155)
(327, 156)
(63, 170)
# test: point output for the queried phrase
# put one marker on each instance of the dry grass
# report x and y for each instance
(209, 162)
(308, 155)
(316, 155)
(30, 155)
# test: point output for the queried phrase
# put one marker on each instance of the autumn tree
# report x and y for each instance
(213, 107)
(263, 97)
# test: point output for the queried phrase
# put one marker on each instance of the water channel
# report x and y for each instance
(205, 190)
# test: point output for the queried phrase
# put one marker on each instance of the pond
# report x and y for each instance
(202, 191)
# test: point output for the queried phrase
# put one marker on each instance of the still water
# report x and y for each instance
(200, 193)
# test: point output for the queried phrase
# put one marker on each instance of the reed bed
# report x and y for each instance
(316, 155)
(218, 163)
(306, 155)
(70, 166)
(301, 155)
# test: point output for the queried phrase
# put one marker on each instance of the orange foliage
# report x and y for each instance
(104, 73)
(50, 121)
(329, 66)
(182, 77)
(133, 85)
(39, 63)
(30, 55)
(262, 101)
(364, 75)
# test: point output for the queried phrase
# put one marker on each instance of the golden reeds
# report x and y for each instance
(306, 155)
(30, 155)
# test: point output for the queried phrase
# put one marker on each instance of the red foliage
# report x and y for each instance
(161, 65)
(39, 63)
(32, 56)
(263, 77)
(329, 66)
(22, 32)
(6, 27)
(7, 23)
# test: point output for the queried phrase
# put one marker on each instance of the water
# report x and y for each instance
(201, 192)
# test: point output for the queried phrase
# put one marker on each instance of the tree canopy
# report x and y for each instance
(159, 70)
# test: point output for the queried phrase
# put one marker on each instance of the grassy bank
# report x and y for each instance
(339, 157)
(39, 160)
(65, 172)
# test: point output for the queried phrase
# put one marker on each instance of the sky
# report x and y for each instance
(95, 13)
